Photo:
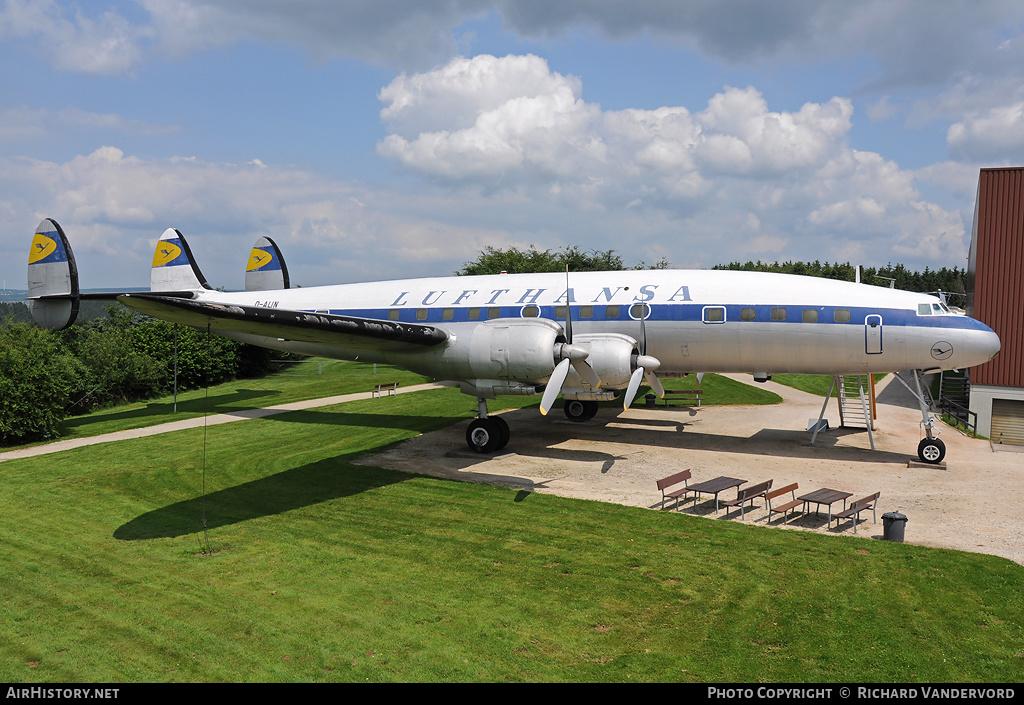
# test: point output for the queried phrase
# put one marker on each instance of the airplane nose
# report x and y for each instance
(981, 345)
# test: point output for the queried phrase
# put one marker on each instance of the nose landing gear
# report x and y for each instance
(930, 450)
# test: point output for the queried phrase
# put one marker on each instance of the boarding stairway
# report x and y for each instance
(853, 395)
(856, 405)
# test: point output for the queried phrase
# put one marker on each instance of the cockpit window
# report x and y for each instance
(924, 310)
(937, 309)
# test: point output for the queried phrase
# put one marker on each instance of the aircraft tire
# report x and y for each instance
(484, 435)
(503, 430)
(579, 411)
(931, 450)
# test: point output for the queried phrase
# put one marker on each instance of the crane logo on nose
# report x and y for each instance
(942, 350)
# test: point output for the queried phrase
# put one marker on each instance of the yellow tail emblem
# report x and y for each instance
(166, 252)
(42, 247)
(257, 259)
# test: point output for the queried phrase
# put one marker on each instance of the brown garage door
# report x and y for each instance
(1008, 421)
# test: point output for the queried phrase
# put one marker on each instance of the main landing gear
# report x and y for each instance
(487, 434)
(579, 411)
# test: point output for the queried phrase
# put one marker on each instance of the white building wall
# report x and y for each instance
(981, 403)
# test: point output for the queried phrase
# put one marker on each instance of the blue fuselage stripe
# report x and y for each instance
(688, 313)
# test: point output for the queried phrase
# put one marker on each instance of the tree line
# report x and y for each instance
(513, 260)
(113, 359)
(947, 280)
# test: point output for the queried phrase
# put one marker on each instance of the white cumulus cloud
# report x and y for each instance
(994, 134)
(514, 125)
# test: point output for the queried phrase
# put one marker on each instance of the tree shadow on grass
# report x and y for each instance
(321, 481)
(215, 404)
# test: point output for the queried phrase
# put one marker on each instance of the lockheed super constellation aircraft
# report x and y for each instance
(588, 336)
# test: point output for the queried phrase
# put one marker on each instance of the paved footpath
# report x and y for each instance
(199, 421)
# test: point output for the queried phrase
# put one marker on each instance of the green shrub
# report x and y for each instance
(37, 379)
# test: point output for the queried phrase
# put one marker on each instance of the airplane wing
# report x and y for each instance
(372, 335)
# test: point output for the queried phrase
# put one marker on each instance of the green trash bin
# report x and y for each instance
(893, 526)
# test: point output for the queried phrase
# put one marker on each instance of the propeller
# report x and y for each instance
(554, 386)
(645, 366)
(567, 354)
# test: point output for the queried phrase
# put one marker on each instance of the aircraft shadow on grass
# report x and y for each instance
(313, 483)
(321, 481)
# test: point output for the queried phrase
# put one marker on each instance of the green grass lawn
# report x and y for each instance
(717, 391)
(812, 384)
(323, 570)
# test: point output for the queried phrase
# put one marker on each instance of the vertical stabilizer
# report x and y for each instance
(52, 278)
(174, 268)
(266, 268)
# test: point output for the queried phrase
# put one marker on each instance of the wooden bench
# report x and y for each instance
(690, 393)
(748, 494)
(390, 387)
(783, 508)
(683, 477)
(857, 507)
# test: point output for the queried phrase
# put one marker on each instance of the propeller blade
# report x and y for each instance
(700, 376)
(554, 386)
(643, 329)
(587, 372)
(634, 384)
(652, 379)
(568, 308)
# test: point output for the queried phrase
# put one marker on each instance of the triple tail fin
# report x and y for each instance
(174, 267)
(266, 269)
(52, 278)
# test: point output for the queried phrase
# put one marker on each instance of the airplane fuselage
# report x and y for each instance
(696, 320)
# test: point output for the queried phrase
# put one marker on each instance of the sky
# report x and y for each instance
(382, 139)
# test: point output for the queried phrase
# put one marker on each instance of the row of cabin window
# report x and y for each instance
(716, 314)
(476, 313)
(712, 314)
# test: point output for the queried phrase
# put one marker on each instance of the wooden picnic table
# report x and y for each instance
(716, 485)
(825, 496)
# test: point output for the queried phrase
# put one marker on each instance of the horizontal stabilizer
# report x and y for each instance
(266, 269)
(174, 267)
(52, 277)
(327, 329)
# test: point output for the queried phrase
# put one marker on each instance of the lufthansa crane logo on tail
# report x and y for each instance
(42, 248)
(942, 350)
(166, 253)
(258, 258)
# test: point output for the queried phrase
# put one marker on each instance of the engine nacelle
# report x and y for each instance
(514, 349)
(611, 356)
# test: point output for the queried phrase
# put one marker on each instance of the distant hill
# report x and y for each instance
(13, 294)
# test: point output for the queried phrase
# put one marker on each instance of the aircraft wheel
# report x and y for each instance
(484, 435)
(931, 450)
(579, 411)
(504, 432)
